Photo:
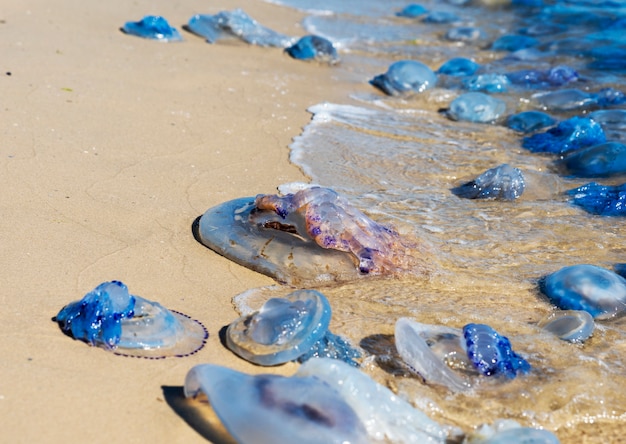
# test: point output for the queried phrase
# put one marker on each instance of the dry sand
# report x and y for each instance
(112, 146)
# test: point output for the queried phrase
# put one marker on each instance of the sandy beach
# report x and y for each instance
(112, 146)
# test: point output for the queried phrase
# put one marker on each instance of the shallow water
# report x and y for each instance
(398, 159)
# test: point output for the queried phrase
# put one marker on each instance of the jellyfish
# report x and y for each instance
(501, 183)
(405, 77)
(308, 238)
(476, 107)
(111, 318)
(313, 47)
(291, 328)
(152, 27)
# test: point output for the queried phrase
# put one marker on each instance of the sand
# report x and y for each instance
(112, 146)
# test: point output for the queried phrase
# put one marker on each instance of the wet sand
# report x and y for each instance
(112, 146)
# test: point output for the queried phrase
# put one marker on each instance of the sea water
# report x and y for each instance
(398, 158)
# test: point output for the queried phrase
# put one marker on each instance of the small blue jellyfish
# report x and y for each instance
(411, 11)
(313, 47)
(529, 121)
(458, 66)
(603, 200)
(441, 17)
(491, 83)
(501, 183)
(405, 76)
(111, 318)
(570, 134)
(598, 291)
(476, 107)
(291, 328)
(492, 353)
(152, 27)
(602, 160)
(514, 42)
(465, 34)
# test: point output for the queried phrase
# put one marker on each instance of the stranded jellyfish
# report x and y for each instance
(311, 237)
(453, 357)
(500, 183)
(286, 329)
(111, 318)
(152, 27)
(266, 409)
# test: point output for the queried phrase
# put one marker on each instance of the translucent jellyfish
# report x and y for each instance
(311, 237)
(569, 325)
(574, 99)
(514, 42)
(152, 27)
(411, 11)
(599, 291)
(529, 121)
(602, 160)
(313, 47)
(507, 431)
(465, 34)
(603, 200)
(441, 17)
(568, 135)
(405, 77)
(111, 318)
(476, 107)
(386, 416)
(266, 409)
(237, 24)
(491, 83)
(286, 329)
(613, 123)
(454, 358)
(458, 66)
(501, 183)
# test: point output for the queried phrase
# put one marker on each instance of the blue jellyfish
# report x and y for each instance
(313, 47)
(405, 76)
(152, 27)
(529, 121)
(570, 134)
(476, 107)
(602, 200)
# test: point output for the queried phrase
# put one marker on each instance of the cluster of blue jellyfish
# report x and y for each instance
(235, 24)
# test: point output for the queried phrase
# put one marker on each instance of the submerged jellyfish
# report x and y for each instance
(599, 291)
(152, 27)
(529, 121)
(603, 160)
(452, 357)
(533, 78)
(386, 416)
(310, 237)
(568, 135)
(501, 183)
(476, 107)
(111, 318)
(405, 76)
(491, 83)
(603, 200)
(266, 409)
(441, 17)
(313, 47)
(465, 34)
(459, 66)
(569, 325)
(572, 99)
(286, 329)
(514, 42)
(237, 24)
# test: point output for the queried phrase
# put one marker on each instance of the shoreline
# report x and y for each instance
(114, 145)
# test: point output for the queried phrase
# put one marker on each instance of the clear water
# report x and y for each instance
(398, 158)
